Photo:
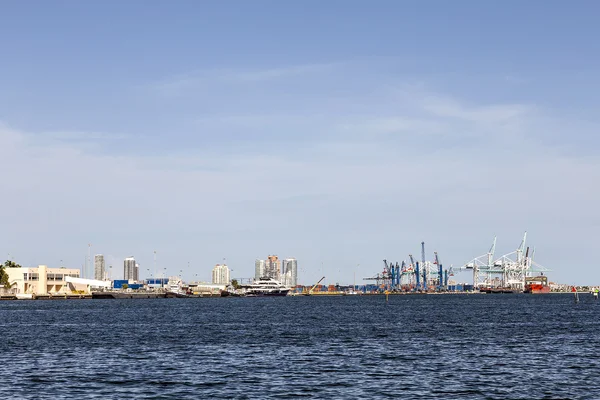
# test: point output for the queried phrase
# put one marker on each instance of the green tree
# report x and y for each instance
(235, 284)
(11, 264)
(4, 275)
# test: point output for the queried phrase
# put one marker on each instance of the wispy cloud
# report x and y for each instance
(196, 80)
(487, 114)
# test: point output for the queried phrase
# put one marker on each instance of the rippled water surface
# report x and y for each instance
(454, 346)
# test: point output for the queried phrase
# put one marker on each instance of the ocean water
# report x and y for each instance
(454, 346)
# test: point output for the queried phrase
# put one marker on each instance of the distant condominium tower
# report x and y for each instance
(259, 269)
(273, 267)
(130, 269)
(269, 268)
(290, 272)
(220, 275)
(99, 271)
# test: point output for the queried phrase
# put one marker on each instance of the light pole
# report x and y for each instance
(89, 258)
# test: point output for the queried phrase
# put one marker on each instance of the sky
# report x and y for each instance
(341, 133)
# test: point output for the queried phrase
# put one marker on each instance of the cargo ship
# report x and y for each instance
(537, 285)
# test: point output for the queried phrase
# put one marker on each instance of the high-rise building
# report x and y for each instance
(290, 272)
(99, 271)
(259, 269)
(129, 269)
(273, 267)
(136, 272)
(269, 268)
(220, 274)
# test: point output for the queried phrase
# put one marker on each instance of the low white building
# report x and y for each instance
(42, 280)
(206, 289)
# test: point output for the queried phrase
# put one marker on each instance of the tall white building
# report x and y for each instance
(220, 275)
(259, 269)
(130, 269)
(99, 270)
(289, 275)
(269, 268)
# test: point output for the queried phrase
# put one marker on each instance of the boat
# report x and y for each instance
(498, 290)
(537, 285)
(127, 295)
(265, 287)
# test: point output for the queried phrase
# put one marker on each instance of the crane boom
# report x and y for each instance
(315, 285)
(412, 262)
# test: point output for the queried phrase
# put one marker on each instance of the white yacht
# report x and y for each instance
(266, 287)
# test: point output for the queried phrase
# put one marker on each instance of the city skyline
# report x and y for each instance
(342, 133)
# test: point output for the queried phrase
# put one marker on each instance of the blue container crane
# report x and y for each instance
(416, 267)
(440, 271)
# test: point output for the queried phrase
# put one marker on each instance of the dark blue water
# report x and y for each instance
(455, 346)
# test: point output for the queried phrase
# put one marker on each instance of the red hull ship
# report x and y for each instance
(537, 285)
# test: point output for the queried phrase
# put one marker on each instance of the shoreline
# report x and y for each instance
(134, 295)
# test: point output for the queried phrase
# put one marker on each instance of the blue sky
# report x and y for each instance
(337, 132)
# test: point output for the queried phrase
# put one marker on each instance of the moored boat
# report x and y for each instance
(537, 285)
(265, 287)
(498, 290)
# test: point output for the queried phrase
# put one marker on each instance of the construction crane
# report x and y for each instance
(314, 286)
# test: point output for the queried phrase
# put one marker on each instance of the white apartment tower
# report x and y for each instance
(99, 270)
(220, 275)
(259, 269)
(130, 269)
(289, 276)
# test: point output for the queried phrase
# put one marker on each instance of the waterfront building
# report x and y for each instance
(220, 275)
(205, 289)
(41, 280)
(99, 270)
(130, 269)
(290, 272)
(259, 269)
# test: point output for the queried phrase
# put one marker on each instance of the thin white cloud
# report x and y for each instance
(196, 80)
(491, 114)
